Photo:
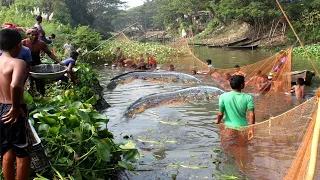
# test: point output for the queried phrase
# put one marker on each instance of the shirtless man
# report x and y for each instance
(36, 46)
(237, 71)
(299, 89)
(13, 124)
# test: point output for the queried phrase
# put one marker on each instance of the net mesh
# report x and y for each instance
(281, 145)
(121, 37)
(274, 148)
(276, 68)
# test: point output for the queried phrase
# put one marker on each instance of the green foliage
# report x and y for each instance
(142, 16)
(81, 36)
(308, 27)
(168, 11)
(211, 27)
(313, 51)
(85, 38)
(74, 134)
(132, 50)
(248, 11)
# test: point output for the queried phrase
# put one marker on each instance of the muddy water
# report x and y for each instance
(177, 140)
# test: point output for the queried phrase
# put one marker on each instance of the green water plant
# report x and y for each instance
(132, 49)
(74, 135)
(313, 50)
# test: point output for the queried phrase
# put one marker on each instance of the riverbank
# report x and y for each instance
(74, 135)
(222, 35)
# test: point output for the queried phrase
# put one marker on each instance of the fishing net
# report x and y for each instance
(276, 69)
(275, 145)
(121, 37)
(282, 141)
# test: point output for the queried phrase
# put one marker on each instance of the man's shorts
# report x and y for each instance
(14, 136)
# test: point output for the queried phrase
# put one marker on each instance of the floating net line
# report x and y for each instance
(267, 103)
(121, 37)
(277, 144)
(282, 144)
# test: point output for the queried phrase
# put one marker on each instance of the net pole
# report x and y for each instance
(295, 33)
(315, 143)
(109, 39)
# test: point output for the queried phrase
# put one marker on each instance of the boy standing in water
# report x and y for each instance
(299, 89)
(209, 63)
(13, 111)
(237, 71)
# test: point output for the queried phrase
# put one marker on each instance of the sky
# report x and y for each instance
(134, 3)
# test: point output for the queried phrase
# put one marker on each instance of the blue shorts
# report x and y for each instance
(15, 136)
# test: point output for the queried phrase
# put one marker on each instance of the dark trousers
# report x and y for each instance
(40, 85)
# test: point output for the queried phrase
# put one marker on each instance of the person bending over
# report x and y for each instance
(70, 62)
(36, 46)
(14, 134)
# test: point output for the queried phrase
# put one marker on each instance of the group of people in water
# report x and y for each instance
(138, 64)
(16, 57)
(262, 82)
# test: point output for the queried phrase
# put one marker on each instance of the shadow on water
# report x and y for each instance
(176, 141)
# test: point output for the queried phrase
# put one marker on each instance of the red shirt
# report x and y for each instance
(152, 60)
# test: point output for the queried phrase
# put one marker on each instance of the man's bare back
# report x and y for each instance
(14, 144)
(12, 73)
(299, 91)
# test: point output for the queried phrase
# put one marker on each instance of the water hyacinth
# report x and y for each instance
(131, 49)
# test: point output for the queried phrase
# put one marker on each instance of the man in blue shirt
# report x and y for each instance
(25, 55)
(70, 62)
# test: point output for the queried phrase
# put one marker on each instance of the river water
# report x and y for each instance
(178, 141)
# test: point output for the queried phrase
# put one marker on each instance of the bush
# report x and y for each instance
(211, 27)
(132, 50)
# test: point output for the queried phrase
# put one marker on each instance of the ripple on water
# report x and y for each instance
(174, 139)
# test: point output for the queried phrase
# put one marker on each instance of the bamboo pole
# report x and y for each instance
(295, 33)
(109, 39)
(315, 143)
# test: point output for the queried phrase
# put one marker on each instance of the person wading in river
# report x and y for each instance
(36, 46)
(14, 132)
(234, 105)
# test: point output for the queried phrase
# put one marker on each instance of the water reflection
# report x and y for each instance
(177, 140)
(172, 139)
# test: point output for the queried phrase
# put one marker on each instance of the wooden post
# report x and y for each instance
(315, 143)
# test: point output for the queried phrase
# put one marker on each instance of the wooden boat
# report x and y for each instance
(305, 74)
(228, 44)
(252, 47)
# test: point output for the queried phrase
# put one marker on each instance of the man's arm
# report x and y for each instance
(16, 92)
(252, 120)
(221, 110)
(302, 91)
(17, 83)
(243, 74)
(220, 116)
(71, 74)
(252, 117)
(49, 53)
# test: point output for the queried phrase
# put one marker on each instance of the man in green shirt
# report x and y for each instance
(235, 105)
